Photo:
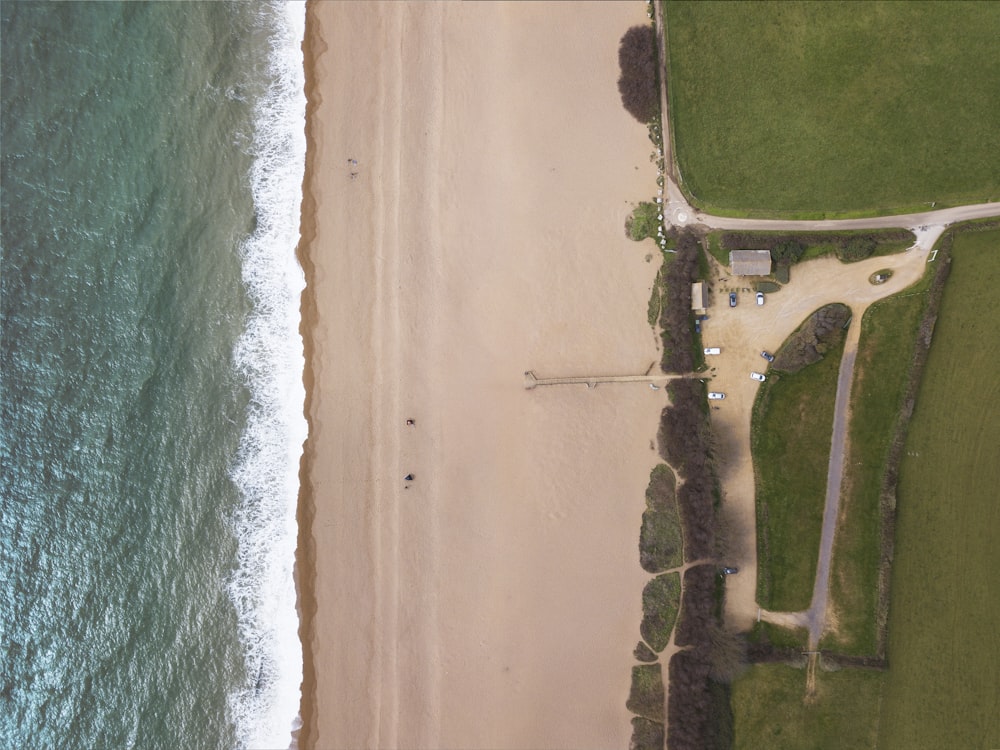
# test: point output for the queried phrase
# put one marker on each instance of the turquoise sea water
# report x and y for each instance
(150, 374)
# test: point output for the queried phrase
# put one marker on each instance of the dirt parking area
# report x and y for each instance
(741, 333)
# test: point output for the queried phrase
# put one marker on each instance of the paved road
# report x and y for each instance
(834, 475)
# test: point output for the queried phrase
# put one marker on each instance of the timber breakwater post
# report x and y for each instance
(532, 381)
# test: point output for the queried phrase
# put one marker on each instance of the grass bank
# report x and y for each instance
(790, 442)
(892, 129)
(771, 711)
(944, 646)
(889, 331)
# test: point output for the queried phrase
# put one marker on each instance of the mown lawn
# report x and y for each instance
(944, 641)
(817, 109)
(770, 710)
(790, 443)
(882, 370)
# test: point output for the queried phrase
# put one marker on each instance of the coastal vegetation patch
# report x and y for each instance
(646, 734)
(790, 443)
(661, 599)
(647, 695)
(817, 109)
(660, 544)
(943, 574)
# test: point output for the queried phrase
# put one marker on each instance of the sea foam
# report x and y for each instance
(269, 355)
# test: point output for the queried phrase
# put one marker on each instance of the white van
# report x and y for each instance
(713, 350)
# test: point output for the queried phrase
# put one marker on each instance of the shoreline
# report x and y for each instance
(304, 570)
(479, 238)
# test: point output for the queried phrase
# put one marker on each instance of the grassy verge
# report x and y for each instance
(944, 647)
(790, 442)
(882, 369)
(771, 710)
(893, 130)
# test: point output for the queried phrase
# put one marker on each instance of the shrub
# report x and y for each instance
(642, 222)
(647, 694)
(643, 653)
(660, 600)
(813, 339)
(638, 82)
(690, 701)
(646, 734)
(697, 608)
(856, 248)
(767, 287)
(660, 541)
(661, 493)
(676, 325)
(787, 252)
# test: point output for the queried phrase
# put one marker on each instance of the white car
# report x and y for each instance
(716, 396)
(713, 350)
(757, 376)
(760, 298)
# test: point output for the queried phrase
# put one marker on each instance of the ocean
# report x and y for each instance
(150, 373)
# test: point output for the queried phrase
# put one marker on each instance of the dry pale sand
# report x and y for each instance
(494, 602)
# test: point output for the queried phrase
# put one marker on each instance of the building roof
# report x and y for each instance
(698, 296)
(750, 262)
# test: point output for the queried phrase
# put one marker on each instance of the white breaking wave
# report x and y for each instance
(270, 358)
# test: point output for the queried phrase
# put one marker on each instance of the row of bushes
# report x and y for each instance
(788, 247)
(676, 328)
(685, 441)
(639, 81)
(820, 333)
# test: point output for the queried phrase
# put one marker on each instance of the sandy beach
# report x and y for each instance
(494, 600)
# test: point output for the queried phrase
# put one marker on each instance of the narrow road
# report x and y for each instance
(834, 475)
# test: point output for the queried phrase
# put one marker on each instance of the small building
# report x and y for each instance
(698, 297)
(750, 262)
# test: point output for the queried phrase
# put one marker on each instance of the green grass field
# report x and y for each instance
(943, 686)
(818, 109)
(882, 367)
(790, 442)
(770, 710)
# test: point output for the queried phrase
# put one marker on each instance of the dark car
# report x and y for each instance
(732, 299)
(768, 356)
(730, 571)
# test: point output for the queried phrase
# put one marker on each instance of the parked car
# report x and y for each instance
(732, 299)
(768, 356)
(760, 298)
(757, 376)
(716, 396)
(713, 350)
(697, 326)
(730, 571)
